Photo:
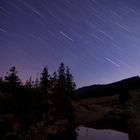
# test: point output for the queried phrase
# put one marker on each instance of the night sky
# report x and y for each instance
(98, 39)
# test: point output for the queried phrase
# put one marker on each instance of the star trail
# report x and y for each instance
(98, 39)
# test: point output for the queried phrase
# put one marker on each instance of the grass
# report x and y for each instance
(101, 109)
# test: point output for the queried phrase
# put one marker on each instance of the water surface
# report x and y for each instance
(85, 133)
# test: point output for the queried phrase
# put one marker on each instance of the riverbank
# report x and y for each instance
(96, 109)
(107, 112)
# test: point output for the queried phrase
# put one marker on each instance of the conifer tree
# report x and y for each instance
(70, 85)
(65, 87)
(12, 78)
(45, 84)
(54, 82)
(36, 83)
(1, 80)
(61, 84)
(28, 83)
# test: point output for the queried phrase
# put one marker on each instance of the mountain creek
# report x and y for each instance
(107, 115)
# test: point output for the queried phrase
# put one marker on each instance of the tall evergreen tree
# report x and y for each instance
(65, 87)
(1, 80)
(12, 78)
(28, 83)
(65, 84)
(70, 85)
(36, 83)
(45, 84)
(61, 81)
(54, 81)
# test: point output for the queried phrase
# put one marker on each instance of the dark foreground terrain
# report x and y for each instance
(109, 113)
(28, 114)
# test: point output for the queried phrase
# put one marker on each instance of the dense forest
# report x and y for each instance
(27, 110)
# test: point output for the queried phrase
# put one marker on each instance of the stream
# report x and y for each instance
(85, 133)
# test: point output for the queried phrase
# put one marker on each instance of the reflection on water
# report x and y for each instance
(85, 133)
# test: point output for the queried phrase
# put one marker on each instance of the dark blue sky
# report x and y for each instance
(98, 39)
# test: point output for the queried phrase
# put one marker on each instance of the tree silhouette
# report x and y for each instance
(36, 83)
(1, 79)
(54, 82)
(64, 90)
(61, 84)
(1, 83)
(12, 79)
(28, 83)
(65, 84)
(45, 84)
(44, 101)
(70, 85)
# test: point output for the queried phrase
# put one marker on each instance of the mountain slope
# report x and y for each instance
(108, 89)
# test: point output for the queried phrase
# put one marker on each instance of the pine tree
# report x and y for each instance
(36, 83)
(54, 81)
(28, 83)
(12, 78)
(65, 84)
(45, 84)
(70, 85)
(1, 80)
(65, 87)
(61, 84)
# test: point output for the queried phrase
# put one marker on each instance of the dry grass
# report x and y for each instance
(95, 109)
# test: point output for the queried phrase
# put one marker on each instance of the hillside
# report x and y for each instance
(108, 89)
